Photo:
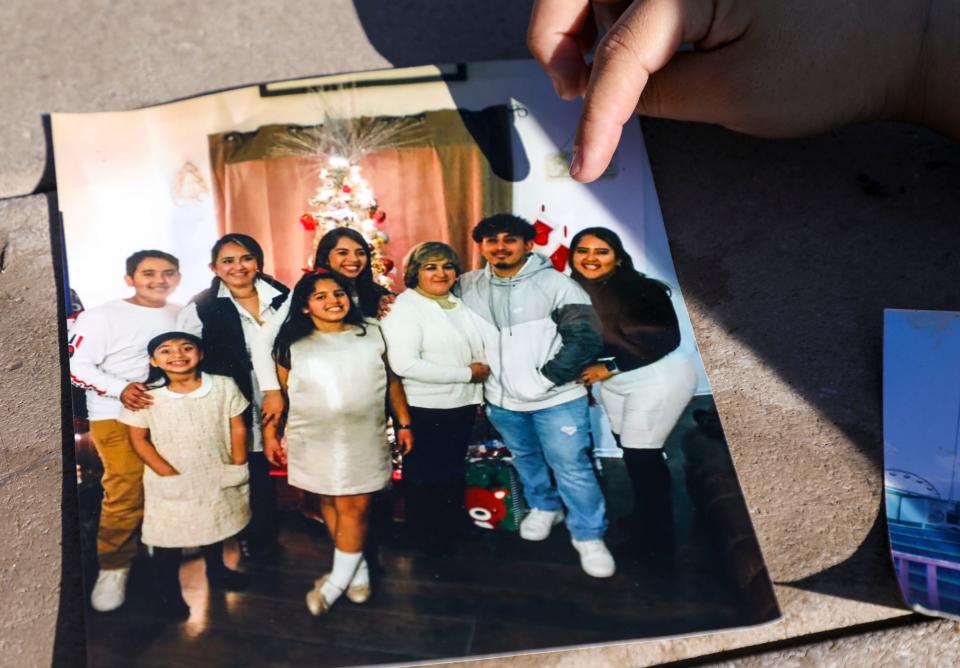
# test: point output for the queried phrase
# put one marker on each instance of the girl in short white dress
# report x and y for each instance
(192, 439)
(332, 366)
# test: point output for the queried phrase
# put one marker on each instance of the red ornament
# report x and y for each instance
(559, 257)
(542, 233)
(309, 222)
(378, 215)
(346, 189)
(387, 264)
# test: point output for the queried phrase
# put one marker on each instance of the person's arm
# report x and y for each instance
(403, 332)
(272, 448)
(238, 440)
(578, 326)
(236, 406)
(399, 408)
(772, 68)
(140, 439)
(261, 355)
(89, 351)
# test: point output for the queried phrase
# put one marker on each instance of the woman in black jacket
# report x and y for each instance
(228, 316)
(645, 380)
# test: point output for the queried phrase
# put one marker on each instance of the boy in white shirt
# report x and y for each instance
(108, 359)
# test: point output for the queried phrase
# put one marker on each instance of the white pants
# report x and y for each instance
(643, 405)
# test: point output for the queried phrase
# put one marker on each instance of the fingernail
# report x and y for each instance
(557, 85)
(576, 163)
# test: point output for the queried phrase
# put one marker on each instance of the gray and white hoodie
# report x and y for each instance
(539, 332)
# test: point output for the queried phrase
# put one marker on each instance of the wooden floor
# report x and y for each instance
(493, 593)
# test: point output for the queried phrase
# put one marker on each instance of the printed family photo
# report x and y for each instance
(362, 376)
(921, 434)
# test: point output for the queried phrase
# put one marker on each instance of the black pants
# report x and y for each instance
(652, 518)
(441, 437)
(433, 473)
(166, 564)
(262, 529)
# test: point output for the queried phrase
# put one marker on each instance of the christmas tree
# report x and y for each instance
(345, 199)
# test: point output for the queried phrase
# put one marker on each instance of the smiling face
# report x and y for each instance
(328, 304)
(153, 281)
(594, 258)
(505, 252)
(236, 266)
(177, 357)
(437, 276)
(347, 258)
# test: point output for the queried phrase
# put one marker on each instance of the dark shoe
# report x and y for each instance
(173, 608)
(228, 580)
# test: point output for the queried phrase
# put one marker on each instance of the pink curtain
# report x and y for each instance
(434, 190)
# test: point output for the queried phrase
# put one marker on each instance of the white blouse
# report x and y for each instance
(189, 321)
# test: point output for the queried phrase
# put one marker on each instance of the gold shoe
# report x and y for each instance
(358, 593)
(316, 603)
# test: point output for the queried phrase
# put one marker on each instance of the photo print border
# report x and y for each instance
(178, 177)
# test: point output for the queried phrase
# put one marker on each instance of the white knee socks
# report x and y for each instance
(344, 567)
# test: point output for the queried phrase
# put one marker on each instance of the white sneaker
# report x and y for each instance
(537, 524)
(110, 590)
(595, 558)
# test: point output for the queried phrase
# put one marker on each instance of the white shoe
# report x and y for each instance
(537, 524)
(110, 590)
(595, 558)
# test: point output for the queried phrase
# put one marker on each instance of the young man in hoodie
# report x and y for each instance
(539, 332)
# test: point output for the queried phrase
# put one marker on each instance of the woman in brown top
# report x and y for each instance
(645, 380)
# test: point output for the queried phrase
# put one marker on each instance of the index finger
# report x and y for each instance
(642, 41)
(558, 29)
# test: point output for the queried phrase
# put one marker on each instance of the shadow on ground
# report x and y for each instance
(795, 248)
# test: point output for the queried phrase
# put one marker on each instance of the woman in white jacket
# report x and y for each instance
(434, 347)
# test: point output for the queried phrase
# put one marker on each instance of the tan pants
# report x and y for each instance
(122, 507)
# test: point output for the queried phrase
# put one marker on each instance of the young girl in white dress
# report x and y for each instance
(192, 439)
(332, 365)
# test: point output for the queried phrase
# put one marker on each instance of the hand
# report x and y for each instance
(404, 441)
(171, 472)
(135, 396)
(594, 374)
(274, 451)
(385, 303)
(272, 408)
(773, 68)
(479, 372)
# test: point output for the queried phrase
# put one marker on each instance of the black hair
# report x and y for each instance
(134, 260)
(245, 240)
(623, 271)
(501, 223)
(365, 288)
(299, 325)
(157, 377)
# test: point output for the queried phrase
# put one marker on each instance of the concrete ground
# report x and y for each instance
(787, 253)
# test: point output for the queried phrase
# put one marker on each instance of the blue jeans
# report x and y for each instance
(555, 439)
